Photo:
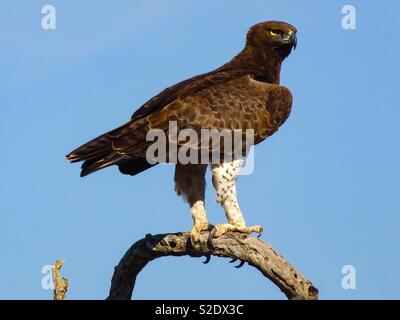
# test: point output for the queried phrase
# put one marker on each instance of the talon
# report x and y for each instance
(208, 258)
(193, 242)
(189, 247)
(195, 232)
(210, 237)
(233, 260)
(242, 262)
(260, 233)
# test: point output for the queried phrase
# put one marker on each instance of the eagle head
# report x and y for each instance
(279, 37)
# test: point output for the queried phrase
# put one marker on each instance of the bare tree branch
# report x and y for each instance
(60, 284)
(237, 246)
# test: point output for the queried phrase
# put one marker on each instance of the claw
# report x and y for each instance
(194, 234)
(189, 245)
(192, 243)
(208, 258)
(242, 262)
(233, 260)
(210, 237)
(260, 233)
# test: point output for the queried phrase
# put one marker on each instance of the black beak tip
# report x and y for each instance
(294, 41)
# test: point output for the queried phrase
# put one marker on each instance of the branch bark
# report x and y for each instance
(60, 284)
(257, 253)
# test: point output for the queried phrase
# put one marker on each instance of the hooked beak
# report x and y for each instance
(286, 44)
(291, 39)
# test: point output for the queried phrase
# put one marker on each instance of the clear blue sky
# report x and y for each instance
(325, 188)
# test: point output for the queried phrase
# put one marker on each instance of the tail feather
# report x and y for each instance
(94, 165)
(111, 149)
(95, 148)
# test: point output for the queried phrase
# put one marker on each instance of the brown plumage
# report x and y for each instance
(242, 94)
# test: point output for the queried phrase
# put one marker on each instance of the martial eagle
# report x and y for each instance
(242, 94)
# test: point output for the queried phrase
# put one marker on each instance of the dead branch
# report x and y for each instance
(237, 246)
(60, 284)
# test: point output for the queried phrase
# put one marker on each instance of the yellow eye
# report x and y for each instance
(273, 33)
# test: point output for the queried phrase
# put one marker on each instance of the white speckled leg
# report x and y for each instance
(224, 178)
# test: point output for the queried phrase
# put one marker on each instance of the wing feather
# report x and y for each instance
(220, 100)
